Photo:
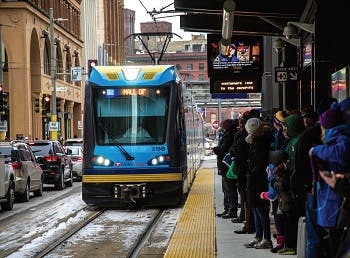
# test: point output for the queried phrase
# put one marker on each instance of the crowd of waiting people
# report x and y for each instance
(295, 166)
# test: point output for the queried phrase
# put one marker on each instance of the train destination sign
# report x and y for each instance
(241, 85)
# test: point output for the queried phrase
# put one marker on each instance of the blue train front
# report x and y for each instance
(135, 142)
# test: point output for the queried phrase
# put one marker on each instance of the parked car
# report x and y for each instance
(74, 142)
(7, 184)
(54, 161)
(77, 159)
(209, 144)
(27, 171)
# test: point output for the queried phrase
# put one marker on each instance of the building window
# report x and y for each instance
(68, 66)
(196, 47)
(201, 77)
(201, 66)
(190, 77)
(178, 67)
(46, 57)
(189, 66)
(187, 47)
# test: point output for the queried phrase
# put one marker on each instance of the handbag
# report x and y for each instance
(227, 160)
(231, 173)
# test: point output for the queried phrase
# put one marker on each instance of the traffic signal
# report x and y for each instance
(46, 104)
(4, 103)
(38, 104)
(91, 63)
(58, 105)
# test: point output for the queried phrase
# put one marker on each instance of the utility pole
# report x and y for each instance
(53, 72)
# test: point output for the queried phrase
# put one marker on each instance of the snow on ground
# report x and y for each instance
(42, 225)
(165, 228)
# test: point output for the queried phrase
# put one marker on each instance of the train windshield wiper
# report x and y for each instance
(115, 141)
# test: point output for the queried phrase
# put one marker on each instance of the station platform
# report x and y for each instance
(200, 234)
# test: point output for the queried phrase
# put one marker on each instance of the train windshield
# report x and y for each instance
(130, 116)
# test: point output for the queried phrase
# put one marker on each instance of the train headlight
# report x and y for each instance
(154, 161)
(159, 160)
(101, 161)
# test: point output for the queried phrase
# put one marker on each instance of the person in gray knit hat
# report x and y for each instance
(252, 126)
(259, 138)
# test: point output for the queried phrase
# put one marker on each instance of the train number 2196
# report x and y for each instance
(158, 148)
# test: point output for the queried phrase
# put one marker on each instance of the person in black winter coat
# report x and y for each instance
(260, 138)
(229, 186)
(240, 152)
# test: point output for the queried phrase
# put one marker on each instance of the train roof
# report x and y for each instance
(131, 75)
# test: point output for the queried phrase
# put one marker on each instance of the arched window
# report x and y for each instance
(68, 65)
(46, 60)
(59, 63)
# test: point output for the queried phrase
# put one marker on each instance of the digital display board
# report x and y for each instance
(242, 85)
(244, 55)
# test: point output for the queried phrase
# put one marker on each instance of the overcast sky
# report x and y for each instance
(141, 14)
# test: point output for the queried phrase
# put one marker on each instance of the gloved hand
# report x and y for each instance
(264, 195)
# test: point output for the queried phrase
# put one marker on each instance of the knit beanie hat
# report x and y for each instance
(254, 113)
(294, 124)
(251, 126)
(278, 118)
(331, 118)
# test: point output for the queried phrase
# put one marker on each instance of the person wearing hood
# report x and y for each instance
(294, 126)
(259, 138)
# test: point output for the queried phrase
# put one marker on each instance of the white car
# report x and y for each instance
(7, 184)
(27, 171)
(77, 160)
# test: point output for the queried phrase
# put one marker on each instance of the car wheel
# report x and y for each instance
(70, 182)
(26, 195)
(60, 184)
(39, 192)
(10, 197)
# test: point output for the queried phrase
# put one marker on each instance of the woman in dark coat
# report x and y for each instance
(229, 186)
(260, 138)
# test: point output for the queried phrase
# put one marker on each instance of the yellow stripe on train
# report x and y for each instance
(132, 178)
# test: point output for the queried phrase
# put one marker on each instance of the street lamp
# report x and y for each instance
(53, 72)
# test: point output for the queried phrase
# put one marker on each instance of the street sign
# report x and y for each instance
(3, 126)
(61, 88)
(285, 74)
(215, 124)
(80, 125)
(53, 126)
(75, 73)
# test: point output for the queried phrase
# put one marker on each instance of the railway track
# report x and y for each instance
(137, 248)
(69, 234)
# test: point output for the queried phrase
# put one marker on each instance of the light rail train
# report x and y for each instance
(143, 137)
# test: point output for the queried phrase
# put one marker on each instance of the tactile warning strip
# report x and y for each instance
(194, 235)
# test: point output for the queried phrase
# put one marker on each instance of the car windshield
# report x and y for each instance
(41, 149)
(75, 151)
